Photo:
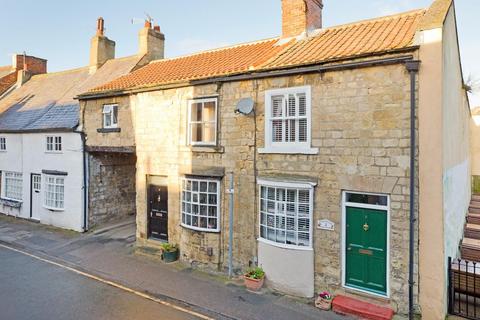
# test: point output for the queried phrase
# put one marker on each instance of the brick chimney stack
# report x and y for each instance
(27, 66)
(151, 42)
(300, 16)
(102, 49)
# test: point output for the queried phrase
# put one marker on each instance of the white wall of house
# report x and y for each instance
(26, 154)
(456, 137)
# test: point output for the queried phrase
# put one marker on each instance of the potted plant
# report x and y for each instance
(169, 252)
(324, 301)
(254, 279)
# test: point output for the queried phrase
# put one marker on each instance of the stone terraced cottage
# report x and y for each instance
(321, 165)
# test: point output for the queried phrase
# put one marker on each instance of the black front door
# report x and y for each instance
(158, 212)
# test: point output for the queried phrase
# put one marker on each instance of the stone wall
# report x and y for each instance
(111, 190)
(360, 126)
(91, 119)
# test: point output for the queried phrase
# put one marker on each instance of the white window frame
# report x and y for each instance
(310, 186)
(56, 144)
(110, 110)
(288, 147)
(45, 178)
(385, 208)
(18, 176)
(189, 122)
(218, 207)
(3, 144)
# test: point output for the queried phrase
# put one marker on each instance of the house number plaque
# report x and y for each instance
(326, 225)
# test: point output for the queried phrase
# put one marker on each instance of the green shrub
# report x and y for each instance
(255, 273)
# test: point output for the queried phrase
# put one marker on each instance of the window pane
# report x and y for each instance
(291, 106)
(209, 130)
(302, 105)
(209, 111)
(277, 106)
(196, 132)
(367, 199)
(196, 112)
(277, 128)
(302, 130)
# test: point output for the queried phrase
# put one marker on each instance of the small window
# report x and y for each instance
(201, 204)
(370, 199)
(12, 185)
(54, 144)
(3, 144)
(110, 116)
(288, 121)
(54, 192)
(286, 214)
(202, 122)
(36, 183)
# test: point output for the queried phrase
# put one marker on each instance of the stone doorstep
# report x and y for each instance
(364, 310)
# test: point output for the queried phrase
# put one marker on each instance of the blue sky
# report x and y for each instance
(60, 30)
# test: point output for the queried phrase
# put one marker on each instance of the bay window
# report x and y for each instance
(200, 206)
(286, 213)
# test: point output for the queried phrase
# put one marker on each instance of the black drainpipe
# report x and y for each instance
(412, 67)
(85, 177)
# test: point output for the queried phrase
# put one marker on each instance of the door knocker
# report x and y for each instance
(365, 227)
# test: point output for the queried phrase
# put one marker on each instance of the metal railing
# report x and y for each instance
(464, 288)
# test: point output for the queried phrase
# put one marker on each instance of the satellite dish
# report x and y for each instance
(245, 106)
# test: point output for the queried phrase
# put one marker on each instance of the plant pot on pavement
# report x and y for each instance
(254, 279)
(169, 253)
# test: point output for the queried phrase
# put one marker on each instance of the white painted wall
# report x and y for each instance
(456, 139)
(26, 154)
(288, 270)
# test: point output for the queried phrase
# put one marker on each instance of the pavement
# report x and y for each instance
(33, 289)
(110, 254)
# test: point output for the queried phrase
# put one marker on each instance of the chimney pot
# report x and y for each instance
(157, 28)
(148, 24)
(100, 26)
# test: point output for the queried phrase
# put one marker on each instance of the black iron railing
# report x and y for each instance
(464, 288)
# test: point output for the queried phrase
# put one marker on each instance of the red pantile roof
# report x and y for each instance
(369, 37)
(8, 78)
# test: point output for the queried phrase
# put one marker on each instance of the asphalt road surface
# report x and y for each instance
(33, 289)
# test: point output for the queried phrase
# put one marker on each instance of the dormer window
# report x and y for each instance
(110, 116)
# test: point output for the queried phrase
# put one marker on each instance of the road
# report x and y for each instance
(34, 289)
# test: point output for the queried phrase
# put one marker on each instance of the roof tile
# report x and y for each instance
(374, 36)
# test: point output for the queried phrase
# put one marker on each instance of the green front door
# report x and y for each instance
(366, 250)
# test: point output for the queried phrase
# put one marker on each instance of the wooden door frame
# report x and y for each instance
(385, 209)
(149, 209)
(31, 192)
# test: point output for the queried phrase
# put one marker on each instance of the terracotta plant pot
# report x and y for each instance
(324, 304)
(253, 284)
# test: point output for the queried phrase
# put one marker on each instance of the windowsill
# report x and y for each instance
(284, 246)
(206, 149)
(199, 229)
(109, 130)
(54, 152)
(54, 209)
(286, 150)
(11, 202)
